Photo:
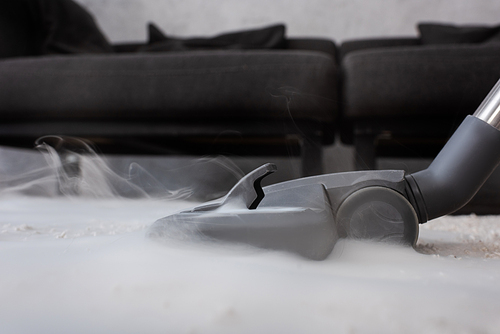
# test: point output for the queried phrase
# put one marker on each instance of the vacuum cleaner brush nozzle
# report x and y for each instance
(308, 215)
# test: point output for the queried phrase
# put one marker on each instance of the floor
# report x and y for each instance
(81, 263)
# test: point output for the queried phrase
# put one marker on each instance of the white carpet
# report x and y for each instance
(84, 266)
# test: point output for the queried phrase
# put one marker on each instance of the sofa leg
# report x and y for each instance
(312, 156)
(364, 146)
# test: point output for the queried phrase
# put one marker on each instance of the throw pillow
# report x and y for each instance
(272, 37)
(433, 33)
(70, 29)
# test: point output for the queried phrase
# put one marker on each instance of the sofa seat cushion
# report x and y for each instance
(421, 81)
(196, 85)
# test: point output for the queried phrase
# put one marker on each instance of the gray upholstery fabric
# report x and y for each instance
(197, 85)
(376, 43)
(438, 33)
(312, 44)
(36, 27)
(418, 81)
(272, 37)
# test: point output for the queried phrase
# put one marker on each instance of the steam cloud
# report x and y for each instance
(68, 166)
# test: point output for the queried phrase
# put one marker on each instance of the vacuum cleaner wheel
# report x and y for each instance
(380, 214)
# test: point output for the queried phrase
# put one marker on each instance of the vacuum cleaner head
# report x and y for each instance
(307, 216)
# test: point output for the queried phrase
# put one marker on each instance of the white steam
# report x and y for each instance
(74, 259)
(72, 168)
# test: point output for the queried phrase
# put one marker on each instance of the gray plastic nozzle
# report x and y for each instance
(463, 165)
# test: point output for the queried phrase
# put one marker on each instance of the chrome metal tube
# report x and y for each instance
(489, 110)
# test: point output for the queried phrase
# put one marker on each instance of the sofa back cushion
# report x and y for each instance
(272, 37)
(37, 27)
(434, 33)
(70, 29)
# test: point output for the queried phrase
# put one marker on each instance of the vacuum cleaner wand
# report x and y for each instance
(307, 216)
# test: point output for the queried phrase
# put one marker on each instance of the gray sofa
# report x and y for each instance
(170, 103)
(253, 92)
(406, 96)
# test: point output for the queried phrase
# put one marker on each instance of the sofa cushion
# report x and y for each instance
(436, 33)
(19, 31)
(272, 37)
(376, 43)
(35, 27)
(493, 39)
(437, 81)
(193, 86)
(70, 29)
